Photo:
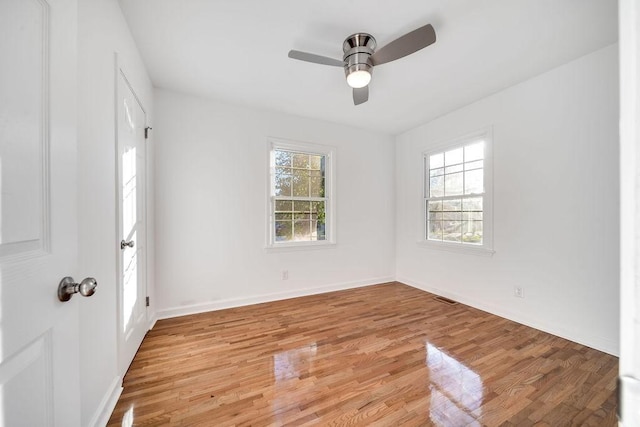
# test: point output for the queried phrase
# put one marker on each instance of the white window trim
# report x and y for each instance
(330, 207)
(486, 249)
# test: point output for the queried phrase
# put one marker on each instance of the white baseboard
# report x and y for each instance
(108, 403)
(152, 321)
(258, 299)
(599, 343)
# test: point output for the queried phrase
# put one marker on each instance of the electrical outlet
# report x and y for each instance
(285, 274)
(518, 291)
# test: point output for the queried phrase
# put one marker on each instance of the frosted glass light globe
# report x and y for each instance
(358, 79)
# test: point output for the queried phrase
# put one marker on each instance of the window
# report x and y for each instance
(457, 199)
(300, 194)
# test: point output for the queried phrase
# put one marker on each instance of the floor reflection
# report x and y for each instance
(290, 364)
(290, 371)
(456, 390)
(127, 418)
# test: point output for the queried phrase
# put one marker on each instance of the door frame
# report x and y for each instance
(629, 60)
(121, 70)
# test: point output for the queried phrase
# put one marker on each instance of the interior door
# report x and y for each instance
(131, 124)
(39, 374)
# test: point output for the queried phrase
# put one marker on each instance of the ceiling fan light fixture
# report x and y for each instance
(358, 49)
(358, 79)
(360, 56)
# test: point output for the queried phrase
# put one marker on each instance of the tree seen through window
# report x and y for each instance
(299, 196)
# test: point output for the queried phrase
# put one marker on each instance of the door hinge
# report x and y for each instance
(147, 300)
(146, 132)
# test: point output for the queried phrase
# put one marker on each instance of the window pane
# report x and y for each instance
(434, 230)
(315, 162)
(283, 158)
(283, 182)
(474, 165)
(472, 232)
(302, 230)
(300, 183)
(301, 207)
(317, 207)
(301, 161)
(474, 152)
(452, 231)
(452, 205)
(436, 161)
(317, 186)
(283, 231)
(453, 169)
(453, 157)
(284, 205)
(452, 216)
(436, 172)
(434, 205)
(436, 186)
(472, 204)
(474, 182)
(318, 230)
(472, 216)
(435, 216)
(452, 184)
(284, 216)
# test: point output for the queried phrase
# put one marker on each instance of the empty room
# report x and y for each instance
(218, 213)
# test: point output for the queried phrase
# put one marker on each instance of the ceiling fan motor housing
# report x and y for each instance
(358, 49)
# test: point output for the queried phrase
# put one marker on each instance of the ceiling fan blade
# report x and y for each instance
(360, 95)
(316, 59)
(405, 45)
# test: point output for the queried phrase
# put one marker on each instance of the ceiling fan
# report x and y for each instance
(360, 56)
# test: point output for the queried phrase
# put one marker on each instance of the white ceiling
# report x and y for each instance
(236, 51)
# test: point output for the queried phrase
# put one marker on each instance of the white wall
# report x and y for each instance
(556, 204)
(211, 182)
(102, 31)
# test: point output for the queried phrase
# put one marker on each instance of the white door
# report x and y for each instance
(39, 374)
(131, 122)
(629, 22)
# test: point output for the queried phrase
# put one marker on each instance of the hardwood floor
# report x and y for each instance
(381, 355)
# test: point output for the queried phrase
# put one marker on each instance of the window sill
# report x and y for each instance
(299, 246)
(452, 247)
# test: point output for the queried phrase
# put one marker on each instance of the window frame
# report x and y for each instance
(486, 248)
(330, 206)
